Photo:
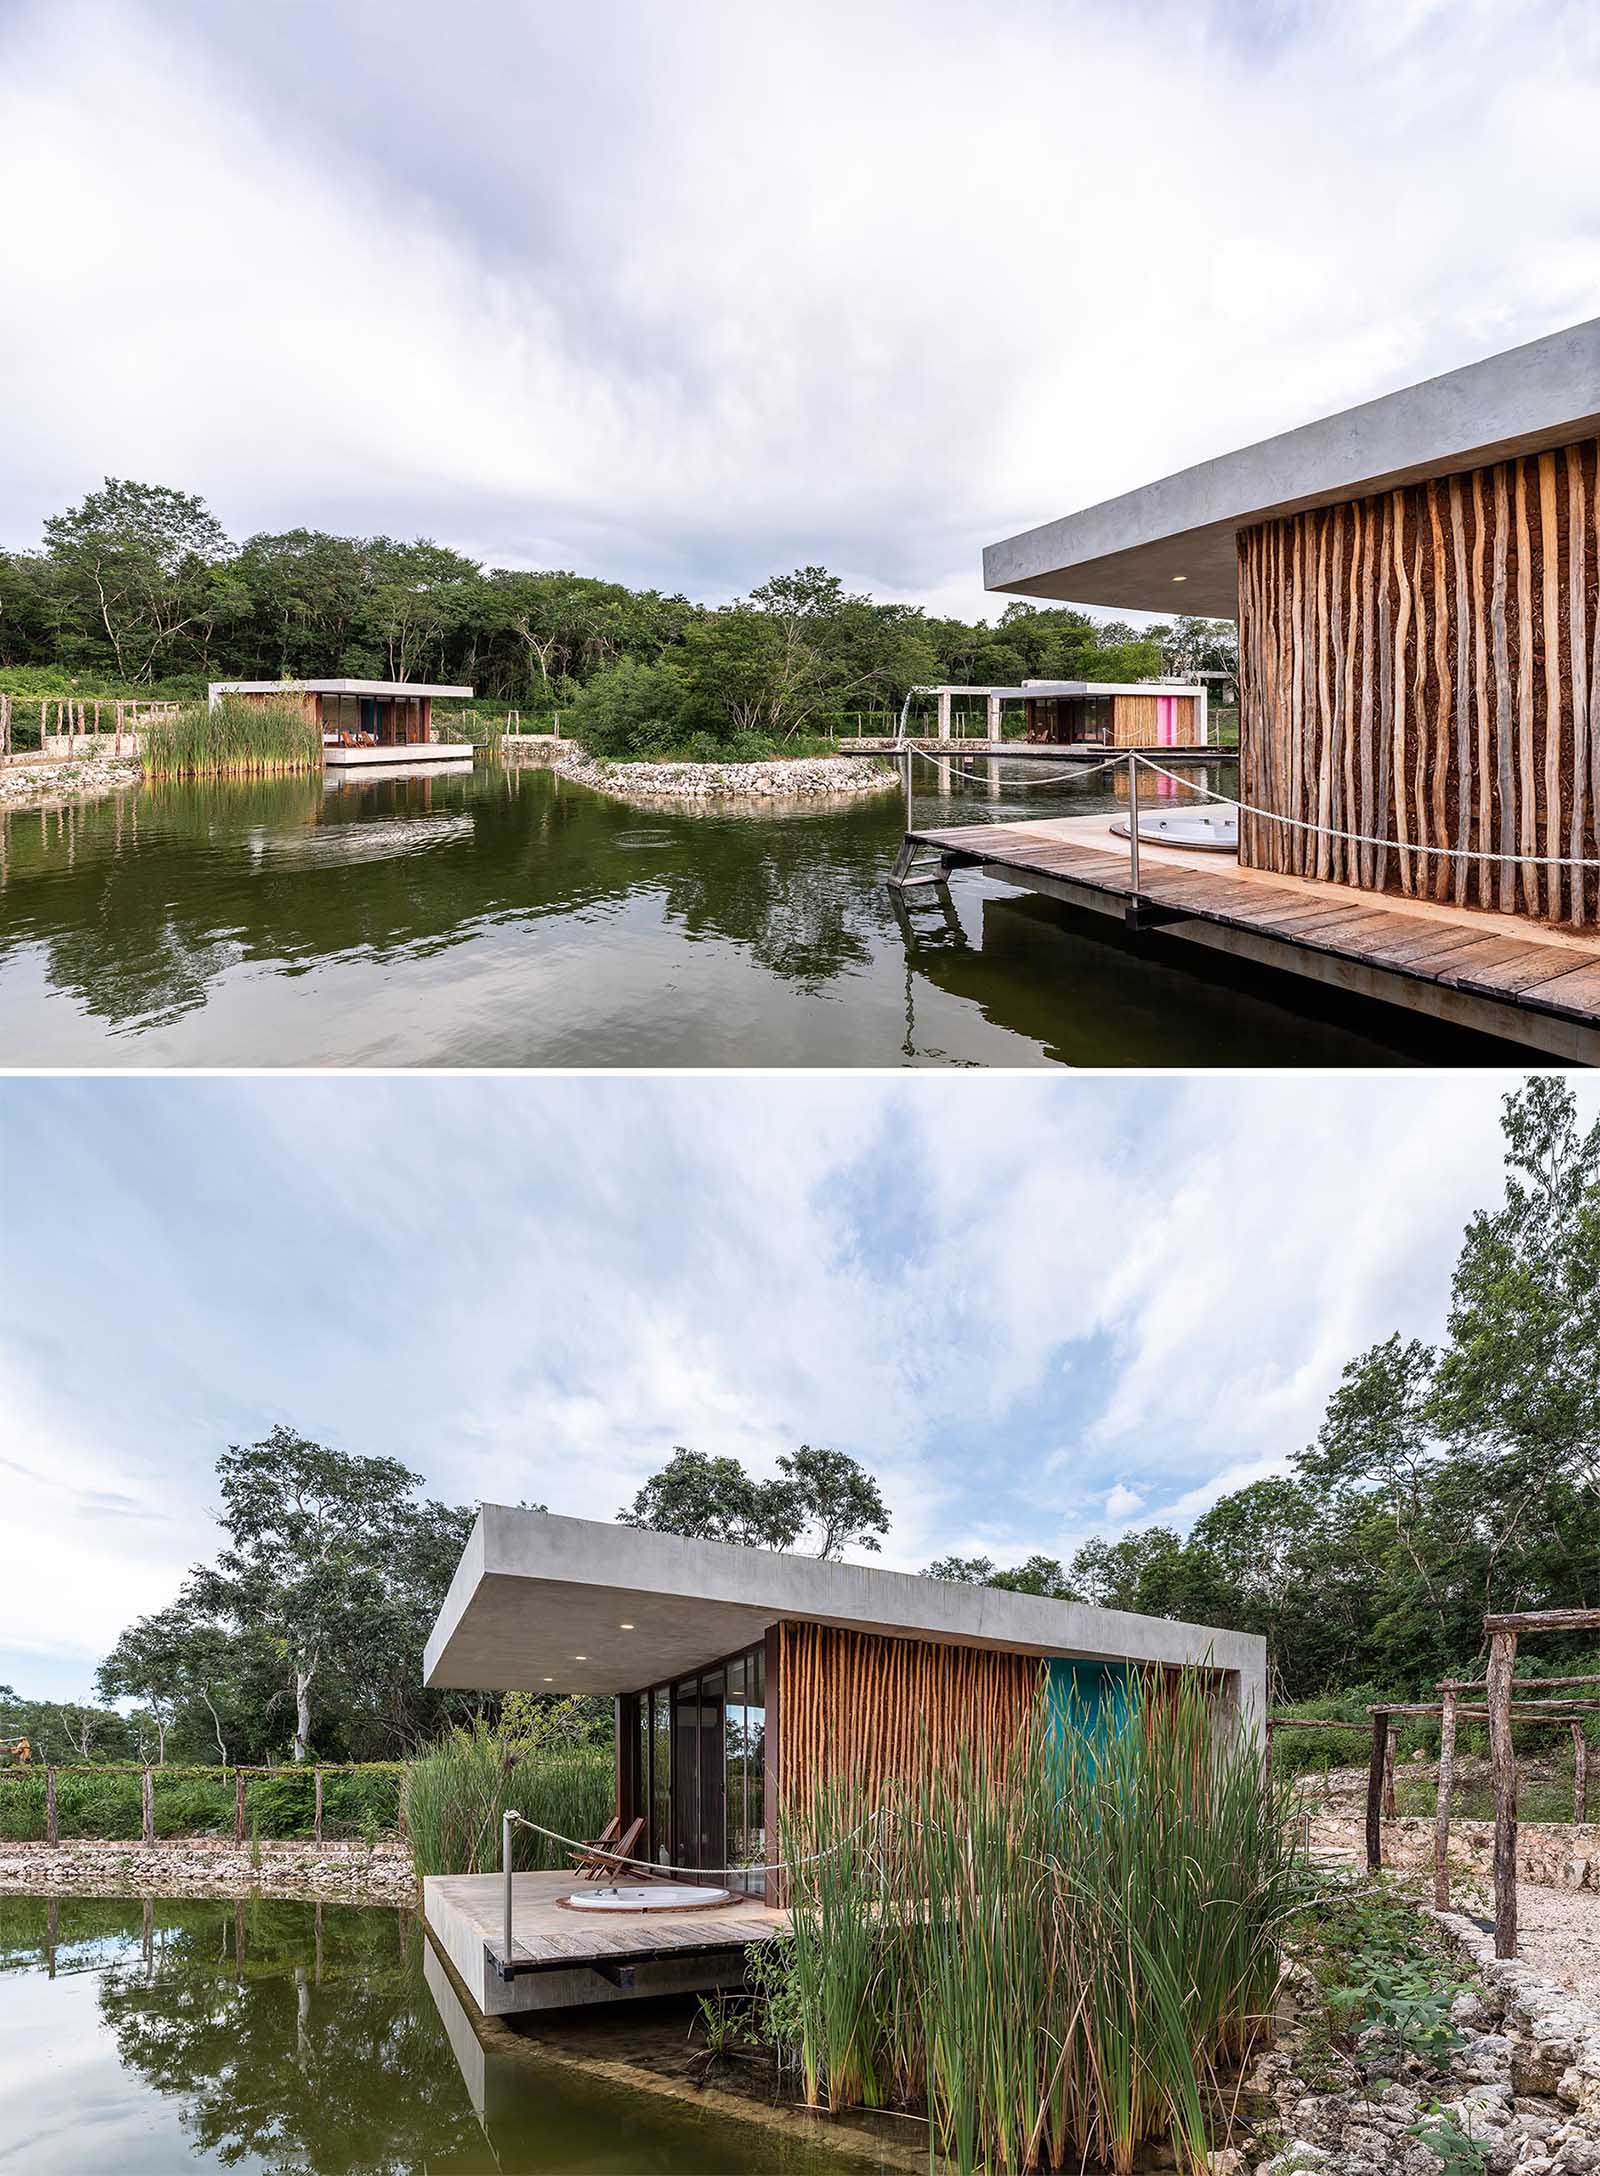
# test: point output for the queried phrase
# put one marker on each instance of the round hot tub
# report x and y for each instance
(1212, 830)
(655, 1896)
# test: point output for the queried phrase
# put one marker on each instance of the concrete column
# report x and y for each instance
(992, 727)
(944, 713)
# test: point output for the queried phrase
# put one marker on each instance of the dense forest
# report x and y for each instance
(1445, 1481)
(139, 587)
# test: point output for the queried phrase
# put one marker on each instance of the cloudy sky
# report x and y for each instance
(1036, 1308)
(687, 294)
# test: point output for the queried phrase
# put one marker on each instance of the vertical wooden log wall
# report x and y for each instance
(857, 1705)
(1503, 1769)
(1424, 667)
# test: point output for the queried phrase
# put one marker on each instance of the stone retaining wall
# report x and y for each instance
(656, 785)
(213, 1866)
(1553, 1852)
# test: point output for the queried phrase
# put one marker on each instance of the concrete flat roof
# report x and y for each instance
(1131, 551)
(1069, 687)
(333, 687)
(546, 1604)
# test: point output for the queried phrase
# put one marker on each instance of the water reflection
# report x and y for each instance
(508, 917)
(290, 2036)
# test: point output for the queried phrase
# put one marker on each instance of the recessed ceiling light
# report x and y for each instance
(1180, 577)
(549, 1680)
(624, 1627)
(580, 1658)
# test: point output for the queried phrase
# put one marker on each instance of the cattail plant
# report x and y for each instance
(1054, 1948)
(454, 1796)
(235, 738)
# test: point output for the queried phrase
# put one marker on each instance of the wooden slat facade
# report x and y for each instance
(861, 1707)
(1423, 666)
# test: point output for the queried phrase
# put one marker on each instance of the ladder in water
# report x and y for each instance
(916, 866)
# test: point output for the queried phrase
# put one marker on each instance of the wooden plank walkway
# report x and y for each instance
(1501, 975)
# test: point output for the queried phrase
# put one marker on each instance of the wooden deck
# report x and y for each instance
(561, 1957)
(1497, 974)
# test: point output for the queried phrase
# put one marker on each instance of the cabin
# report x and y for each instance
(1149, 714)
(1417, 586)
(1105, 714)
(741, 1678)
(366, 724)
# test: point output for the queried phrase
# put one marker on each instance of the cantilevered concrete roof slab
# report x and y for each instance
(1129, 551)
(546, 1604)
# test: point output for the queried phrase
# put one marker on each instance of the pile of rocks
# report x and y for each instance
(213, 1866)
(26, 784)
(1523, 2087)
(654, 784)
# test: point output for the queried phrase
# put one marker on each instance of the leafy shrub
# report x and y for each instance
(628, 712)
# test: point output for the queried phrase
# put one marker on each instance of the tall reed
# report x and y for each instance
(455, 1796)
(237, 739)
(1054, 1950)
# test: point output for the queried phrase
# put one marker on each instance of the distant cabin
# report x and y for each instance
(1148, 714)
(364, 722)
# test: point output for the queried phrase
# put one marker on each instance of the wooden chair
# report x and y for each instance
(608, 1835)
(598, 1863)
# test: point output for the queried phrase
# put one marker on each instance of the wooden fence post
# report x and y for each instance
(1580, 1775)
(238, 1805)
(1375, 1766)
(147, 1807)
(1441, 1804)
(1503, 1768)
(316, 1826)
(52, 1817)
(1388, 1777)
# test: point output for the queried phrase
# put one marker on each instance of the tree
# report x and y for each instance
(1039, 1575)
(835, 1498)
(329, 1560)
(823, 1492)
(142, 560)
(713, 1499)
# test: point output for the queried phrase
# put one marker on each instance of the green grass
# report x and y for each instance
(455, 1795)
(238, 739)
(105, 1803)
(1056, 1959)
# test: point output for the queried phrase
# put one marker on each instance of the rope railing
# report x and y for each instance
(1132, 762)
(653, 1867)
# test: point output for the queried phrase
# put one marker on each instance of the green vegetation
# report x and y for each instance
(1384, 1979)
(191, 1801)
(139, 589)
(823, 1497)
(1446, 1480)
(234, 739)
(456, 1795)
(1100, 1940)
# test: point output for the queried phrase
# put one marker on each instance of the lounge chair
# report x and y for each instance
(600, 1862)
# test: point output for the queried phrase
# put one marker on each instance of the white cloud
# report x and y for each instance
(853, 283)
(1036, 1307)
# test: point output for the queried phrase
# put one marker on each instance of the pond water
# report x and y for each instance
(510, 917)
(270, 2035)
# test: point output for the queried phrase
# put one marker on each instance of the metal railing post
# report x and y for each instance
(1133, 821)
(908, 788)
(506, 1820)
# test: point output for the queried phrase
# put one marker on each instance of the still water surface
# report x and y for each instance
(269, 2035)
(509, 917)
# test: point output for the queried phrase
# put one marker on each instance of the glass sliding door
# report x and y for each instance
(702, 1770)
